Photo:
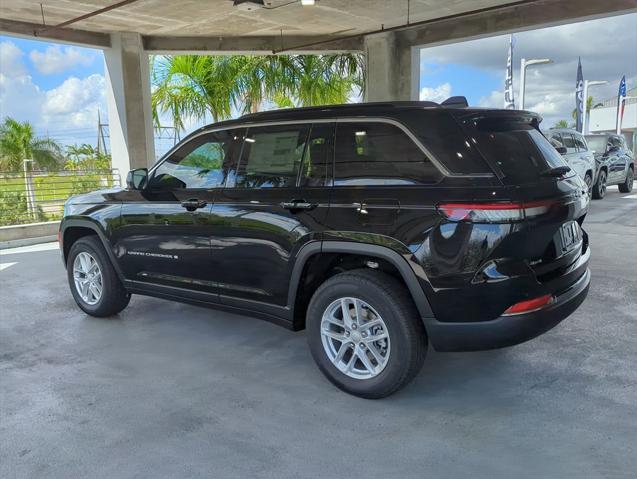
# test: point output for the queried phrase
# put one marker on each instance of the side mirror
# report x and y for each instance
(136, 179)
(561, 150)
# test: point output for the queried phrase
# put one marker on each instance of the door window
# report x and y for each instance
(200, 163)
(569, 143)
(370, 153)
(580, 143)
(317, 161)
(272, 156)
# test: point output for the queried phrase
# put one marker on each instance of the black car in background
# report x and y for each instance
(378, 227)
(615, 163)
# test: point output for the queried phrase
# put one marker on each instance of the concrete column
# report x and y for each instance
(393, 68)
(130, 119)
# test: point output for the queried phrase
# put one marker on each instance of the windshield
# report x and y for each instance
(597, 143)
(518, 149)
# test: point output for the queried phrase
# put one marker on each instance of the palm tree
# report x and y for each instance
(589, 107)
(561, 124)
(197, 86)
(18, 142)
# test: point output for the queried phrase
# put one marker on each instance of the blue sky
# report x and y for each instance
(60, 88)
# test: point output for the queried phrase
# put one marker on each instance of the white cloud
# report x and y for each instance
(62, 110)
(11, 62)
(56, 59)
(438, 94)
(607, 48)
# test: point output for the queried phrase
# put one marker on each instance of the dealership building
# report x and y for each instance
(603, 118)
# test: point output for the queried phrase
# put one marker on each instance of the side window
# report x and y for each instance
(200, 163)
(271, 156)
(556, 140)
(580, 142)
(317, 161)
(370, 153)
(569, 142)
(615, 141)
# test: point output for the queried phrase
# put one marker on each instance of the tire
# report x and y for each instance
(599, 189)
(627, 185)
(406, 345)
(113, 298)
(588, 179)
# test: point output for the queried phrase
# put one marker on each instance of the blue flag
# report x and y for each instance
(621, 102)
(580, 101)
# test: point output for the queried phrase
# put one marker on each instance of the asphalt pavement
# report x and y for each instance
(171, 390)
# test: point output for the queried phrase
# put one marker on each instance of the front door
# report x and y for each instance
(165, 231)
(275, 202)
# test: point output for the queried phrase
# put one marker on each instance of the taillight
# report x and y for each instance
(529, 305)
(500, 212)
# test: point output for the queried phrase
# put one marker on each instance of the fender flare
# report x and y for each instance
(101, 234)
(363, 249)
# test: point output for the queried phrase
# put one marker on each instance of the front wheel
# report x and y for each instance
(94, 283)
(599, 189)
(365, 333)
(627, 185)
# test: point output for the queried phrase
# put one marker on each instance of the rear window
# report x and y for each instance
(516, 147)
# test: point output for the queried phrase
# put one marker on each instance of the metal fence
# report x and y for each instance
(33, 196)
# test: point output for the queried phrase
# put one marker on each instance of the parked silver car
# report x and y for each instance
(573, 147)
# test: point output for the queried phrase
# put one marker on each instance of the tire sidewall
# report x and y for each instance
(80, 246)
(396, 328)
(599, 190)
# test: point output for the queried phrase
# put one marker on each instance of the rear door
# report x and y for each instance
(275, 201)
(381, 179)
(616, 159)
(572, 156)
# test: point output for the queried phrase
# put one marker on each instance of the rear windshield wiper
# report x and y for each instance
(556, 172)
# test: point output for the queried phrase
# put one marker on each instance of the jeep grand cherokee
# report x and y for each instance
(380, 228)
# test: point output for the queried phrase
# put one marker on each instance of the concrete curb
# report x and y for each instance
(27, 242)
(28, 234)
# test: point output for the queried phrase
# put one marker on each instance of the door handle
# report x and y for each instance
(193, 204)
(298, 205)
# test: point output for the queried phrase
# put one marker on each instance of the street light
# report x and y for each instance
(523, 64)
(588, 83)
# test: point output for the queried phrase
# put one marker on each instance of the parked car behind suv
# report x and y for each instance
(377, 227)
(573, 148)
(615, 163)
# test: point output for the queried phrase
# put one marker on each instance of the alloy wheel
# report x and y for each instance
(355, 338)
(87, 276)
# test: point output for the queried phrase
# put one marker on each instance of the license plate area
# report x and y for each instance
(570, 235)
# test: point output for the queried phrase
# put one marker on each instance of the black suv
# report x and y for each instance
(614, 163)
(378, 227)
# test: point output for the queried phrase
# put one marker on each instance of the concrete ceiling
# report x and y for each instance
(221, 18)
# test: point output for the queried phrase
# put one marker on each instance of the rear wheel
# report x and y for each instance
(94, 283)
(599, 189)
(627, 185)
(365, 333)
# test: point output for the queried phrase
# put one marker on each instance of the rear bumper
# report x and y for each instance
(508, 330)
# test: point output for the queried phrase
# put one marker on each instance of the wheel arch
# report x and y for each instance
(320, 249)
(72, 230)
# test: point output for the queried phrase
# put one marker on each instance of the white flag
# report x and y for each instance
(509, 102)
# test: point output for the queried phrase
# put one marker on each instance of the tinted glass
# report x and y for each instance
(379, 154)
(271, 156)
(517, 148)
(615, 141)
(579, 142)
(319, 153)
(555, 139)
(200, 163)
(569, 142)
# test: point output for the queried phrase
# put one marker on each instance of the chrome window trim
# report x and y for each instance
(368, 119)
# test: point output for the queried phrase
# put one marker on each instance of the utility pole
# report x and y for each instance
(101, 141)
(587, 84)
